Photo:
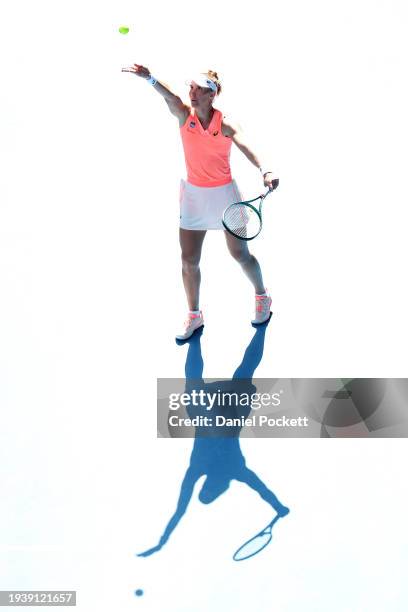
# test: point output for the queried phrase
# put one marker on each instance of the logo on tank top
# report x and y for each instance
(215, 133)
(192, 124)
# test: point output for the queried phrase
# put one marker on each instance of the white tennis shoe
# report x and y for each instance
(262, 308)
(193, 322)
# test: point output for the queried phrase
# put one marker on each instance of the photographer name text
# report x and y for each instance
(257, 420)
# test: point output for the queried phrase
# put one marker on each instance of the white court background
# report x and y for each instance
(91, 296)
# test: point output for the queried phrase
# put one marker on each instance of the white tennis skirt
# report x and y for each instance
(201, 208)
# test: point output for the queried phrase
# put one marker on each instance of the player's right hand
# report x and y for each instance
(139, 70)
(149, 552)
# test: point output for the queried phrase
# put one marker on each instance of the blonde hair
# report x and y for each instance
(211, 74)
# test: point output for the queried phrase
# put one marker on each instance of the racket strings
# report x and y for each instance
(242, 220)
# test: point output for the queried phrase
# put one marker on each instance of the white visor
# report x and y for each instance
(203, 81)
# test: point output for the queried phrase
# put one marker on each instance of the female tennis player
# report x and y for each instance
(207, 136)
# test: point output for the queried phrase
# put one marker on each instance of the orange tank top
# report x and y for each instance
(206, 152)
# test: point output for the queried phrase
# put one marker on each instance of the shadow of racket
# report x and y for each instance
(257, 543)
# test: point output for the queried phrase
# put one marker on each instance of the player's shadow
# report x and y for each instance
(217, 453)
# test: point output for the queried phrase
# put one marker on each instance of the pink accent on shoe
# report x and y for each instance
(258, 302)
(193, 322)
(262, 308)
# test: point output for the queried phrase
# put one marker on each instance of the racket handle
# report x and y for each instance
(275, 183)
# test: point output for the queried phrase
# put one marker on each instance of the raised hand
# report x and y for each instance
(139, 70)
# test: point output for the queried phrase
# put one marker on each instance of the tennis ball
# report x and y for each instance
(123, 30)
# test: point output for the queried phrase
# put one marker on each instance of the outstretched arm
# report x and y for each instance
(252, 480)
(186, 492)
(174, 102)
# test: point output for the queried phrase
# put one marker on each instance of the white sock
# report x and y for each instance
(261, 294)
(195, 312)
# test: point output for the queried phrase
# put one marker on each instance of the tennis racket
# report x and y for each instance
(244, 219)
(257, 543)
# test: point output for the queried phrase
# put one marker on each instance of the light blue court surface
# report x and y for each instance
(91, 298)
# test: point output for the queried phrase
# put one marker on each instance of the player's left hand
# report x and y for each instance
(271, 181)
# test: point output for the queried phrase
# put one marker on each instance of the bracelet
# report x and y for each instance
(264, 173)
(152, 80)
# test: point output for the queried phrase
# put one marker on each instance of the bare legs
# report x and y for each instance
(240, 252)
(191, 242)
